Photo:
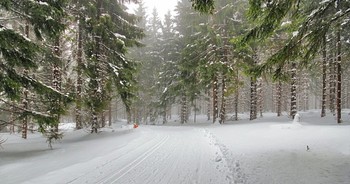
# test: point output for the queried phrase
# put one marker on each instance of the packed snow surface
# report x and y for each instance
(268, 150)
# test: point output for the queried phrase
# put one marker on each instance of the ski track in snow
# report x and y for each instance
(126, 169)
(181, 155)
(186, 156)
(106, 171)
(236, 174)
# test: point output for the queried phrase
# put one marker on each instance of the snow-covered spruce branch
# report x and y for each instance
(21, 110)
(8, 18)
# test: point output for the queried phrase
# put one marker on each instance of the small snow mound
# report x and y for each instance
(216, 123)
(296, 118)
(127, 127)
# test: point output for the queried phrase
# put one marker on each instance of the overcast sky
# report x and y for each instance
(162, 6)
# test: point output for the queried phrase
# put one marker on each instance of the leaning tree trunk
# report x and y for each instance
(293, 100)
(324, 77)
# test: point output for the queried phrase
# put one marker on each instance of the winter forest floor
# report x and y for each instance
(267, 150)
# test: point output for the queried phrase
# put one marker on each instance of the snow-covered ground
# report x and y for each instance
(268, 150)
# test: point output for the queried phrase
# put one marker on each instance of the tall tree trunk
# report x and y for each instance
(12, 120)
(183, 109)
(279, 98)
(253, 105)
(164, 114)
(236, 104)
(324, 77)
(208, 105)
(57, 77)
(260, 99)
(253, 91)
(223, 101)
(215, 99)
(293, 100)
(25, 106)
(236, 95)
(97, 87)
(110, 114)
(332, 84)
(339, 70)
(78, 111)
(25, 100)
(195, 110)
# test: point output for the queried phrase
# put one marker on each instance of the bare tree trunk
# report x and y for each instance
(324, 77)
(236, 104)
(96, 91)
(293, 100)
(253, 99)
(25, 106)
(279, 98)
(339, 70)
(12, 121)
(25, 99)
(236, 95)
(78, 111)
(223, 101)
(165, 114)
(260, 99)
(208, 105)
(57, 78)
(110, 114)
(215, 98)
(183, 109)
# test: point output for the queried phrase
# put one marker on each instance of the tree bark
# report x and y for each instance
(293, 100)
(223, 101)
(208, 105)
(57, 78)
(279, 98)
(339, 70)
(25, 100)
(215, 98)
(183, 109)
(97, 88)
(78, 111)
(324, 77)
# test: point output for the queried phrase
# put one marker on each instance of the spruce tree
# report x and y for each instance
(23, 52)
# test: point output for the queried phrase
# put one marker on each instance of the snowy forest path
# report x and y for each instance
(147, 155)
(187, 155)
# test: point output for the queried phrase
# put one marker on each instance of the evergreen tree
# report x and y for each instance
(23, 52)
(108, 31)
